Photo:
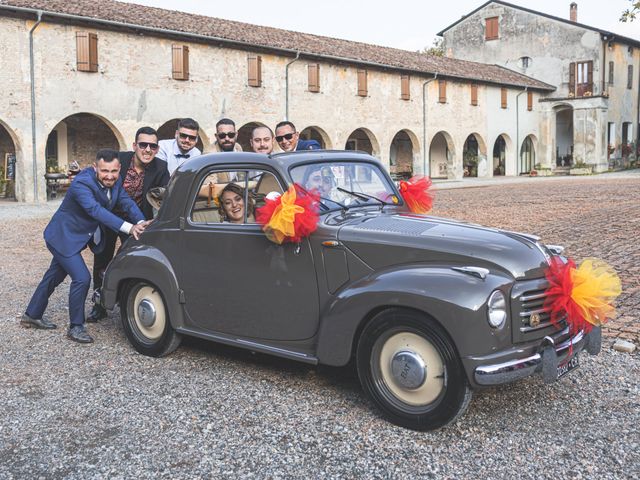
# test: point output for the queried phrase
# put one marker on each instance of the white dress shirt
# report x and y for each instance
(170, 152)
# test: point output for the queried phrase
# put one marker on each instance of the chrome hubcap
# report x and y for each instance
(146, 313)
(408, 369)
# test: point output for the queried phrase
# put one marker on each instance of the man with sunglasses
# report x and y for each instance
(140, 171)
(226, 137)
(289, 141)
(177, 151)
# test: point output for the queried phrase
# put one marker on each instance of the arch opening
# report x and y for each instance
(8, 163)
(363, 140)
(500, 156)
(564, 136)
(78, 138)
(401, 156)
(317, 134)
(441, 154)
(527, 155)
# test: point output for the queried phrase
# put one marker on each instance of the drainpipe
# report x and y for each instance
(518, 130)
(33, 108)
(286, 86)
(424, 125)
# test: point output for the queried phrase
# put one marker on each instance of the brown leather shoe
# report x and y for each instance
(27, 322)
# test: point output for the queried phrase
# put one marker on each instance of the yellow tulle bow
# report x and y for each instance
(595, 286)
(281, 224)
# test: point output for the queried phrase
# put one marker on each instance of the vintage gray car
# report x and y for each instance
(427, 308)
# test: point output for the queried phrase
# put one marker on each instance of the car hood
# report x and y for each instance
(382, 240)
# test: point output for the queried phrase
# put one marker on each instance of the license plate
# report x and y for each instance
(566, 367)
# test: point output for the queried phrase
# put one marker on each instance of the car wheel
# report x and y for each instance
(410, 369)
(145, 320)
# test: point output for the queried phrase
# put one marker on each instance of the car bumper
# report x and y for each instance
(543, 358)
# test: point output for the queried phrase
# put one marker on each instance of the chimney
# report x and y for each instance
(573, 12)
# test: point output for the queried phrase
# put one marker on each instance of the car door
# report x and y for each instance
(236, 281)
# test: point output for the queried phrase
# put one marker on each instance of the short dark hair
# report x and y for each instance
(146, 131)
(107, 154)
(286, 123)
(225, 121)
(189, 123)
(261, 126)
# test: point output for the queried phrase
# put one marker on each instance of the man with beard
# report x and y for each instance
(178, 150)
(226, 137)
(80, 222)
(140, 172)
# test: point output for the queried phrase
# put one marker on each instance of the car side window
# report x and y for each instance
(231, 196)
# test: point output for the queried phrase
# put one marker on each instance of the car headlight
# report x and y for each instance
(497, 309)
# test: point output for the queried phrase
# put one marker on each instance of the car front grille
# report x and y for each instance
(527, 304)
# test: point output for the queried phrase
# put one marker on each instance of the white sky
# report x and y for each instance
(408, 24)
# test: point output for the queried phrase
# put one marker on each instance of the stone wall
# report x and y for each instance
(134, 87)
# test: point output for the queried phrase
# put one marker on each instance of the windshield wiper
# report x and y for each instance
(364, 196)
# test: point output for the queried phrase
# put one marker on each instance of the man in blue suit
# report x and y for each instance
(289, 141)
(80, 220)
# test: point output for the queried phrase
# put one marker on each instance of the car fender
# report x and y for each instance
(456, 300)
(145, 263)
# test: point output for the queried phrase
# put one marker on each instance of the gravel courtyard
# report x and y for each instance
(104, 411)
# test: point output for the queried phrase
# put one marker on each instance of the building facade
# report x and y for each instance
(592, 116)
(80, 78)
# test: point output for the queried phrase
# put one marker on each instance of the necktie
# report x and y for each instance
(182, 155)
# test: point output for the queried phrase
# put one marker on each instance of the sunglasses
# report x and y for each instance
(145, 145)
(184, 136)
(287, 136)
(225, 135)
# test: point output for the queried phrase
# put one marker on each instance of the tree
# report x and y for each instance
(436, 48)
(629, 15)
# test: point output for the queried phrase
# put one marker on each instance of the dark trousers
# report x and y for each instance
(60, 267)
(102, 259)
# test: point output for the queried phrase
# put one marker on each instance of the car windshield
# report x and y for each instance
(345, 184)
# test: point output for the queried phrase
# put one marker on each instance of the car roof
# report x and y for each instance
(278, 161)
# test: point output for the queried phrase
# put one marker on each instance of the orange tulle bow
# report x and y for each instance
(583, 295)
(290, 217)
(416, 194)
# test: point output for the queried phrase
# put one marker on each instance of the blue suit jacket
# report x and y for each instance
(86, 207)
(308, 145)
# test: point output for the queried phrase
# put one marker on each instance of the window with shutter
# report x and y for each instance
(611, 64)
(405, 93)
(491, 28)
(529, 101)
(583, 78)
(503, 97)
(474, 94)
(362, 83)
(255, 71)
(314, 77)
(630, 77)
(87, 52)
(572, 79)
(442, 91)
(180, 62)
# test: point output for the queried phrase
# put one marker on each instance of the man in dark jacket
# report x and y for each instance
(289, 141)
(80, 221)
(141, 170)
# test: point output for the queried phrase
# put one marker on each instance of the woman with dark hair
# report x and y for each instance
(232, 205)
